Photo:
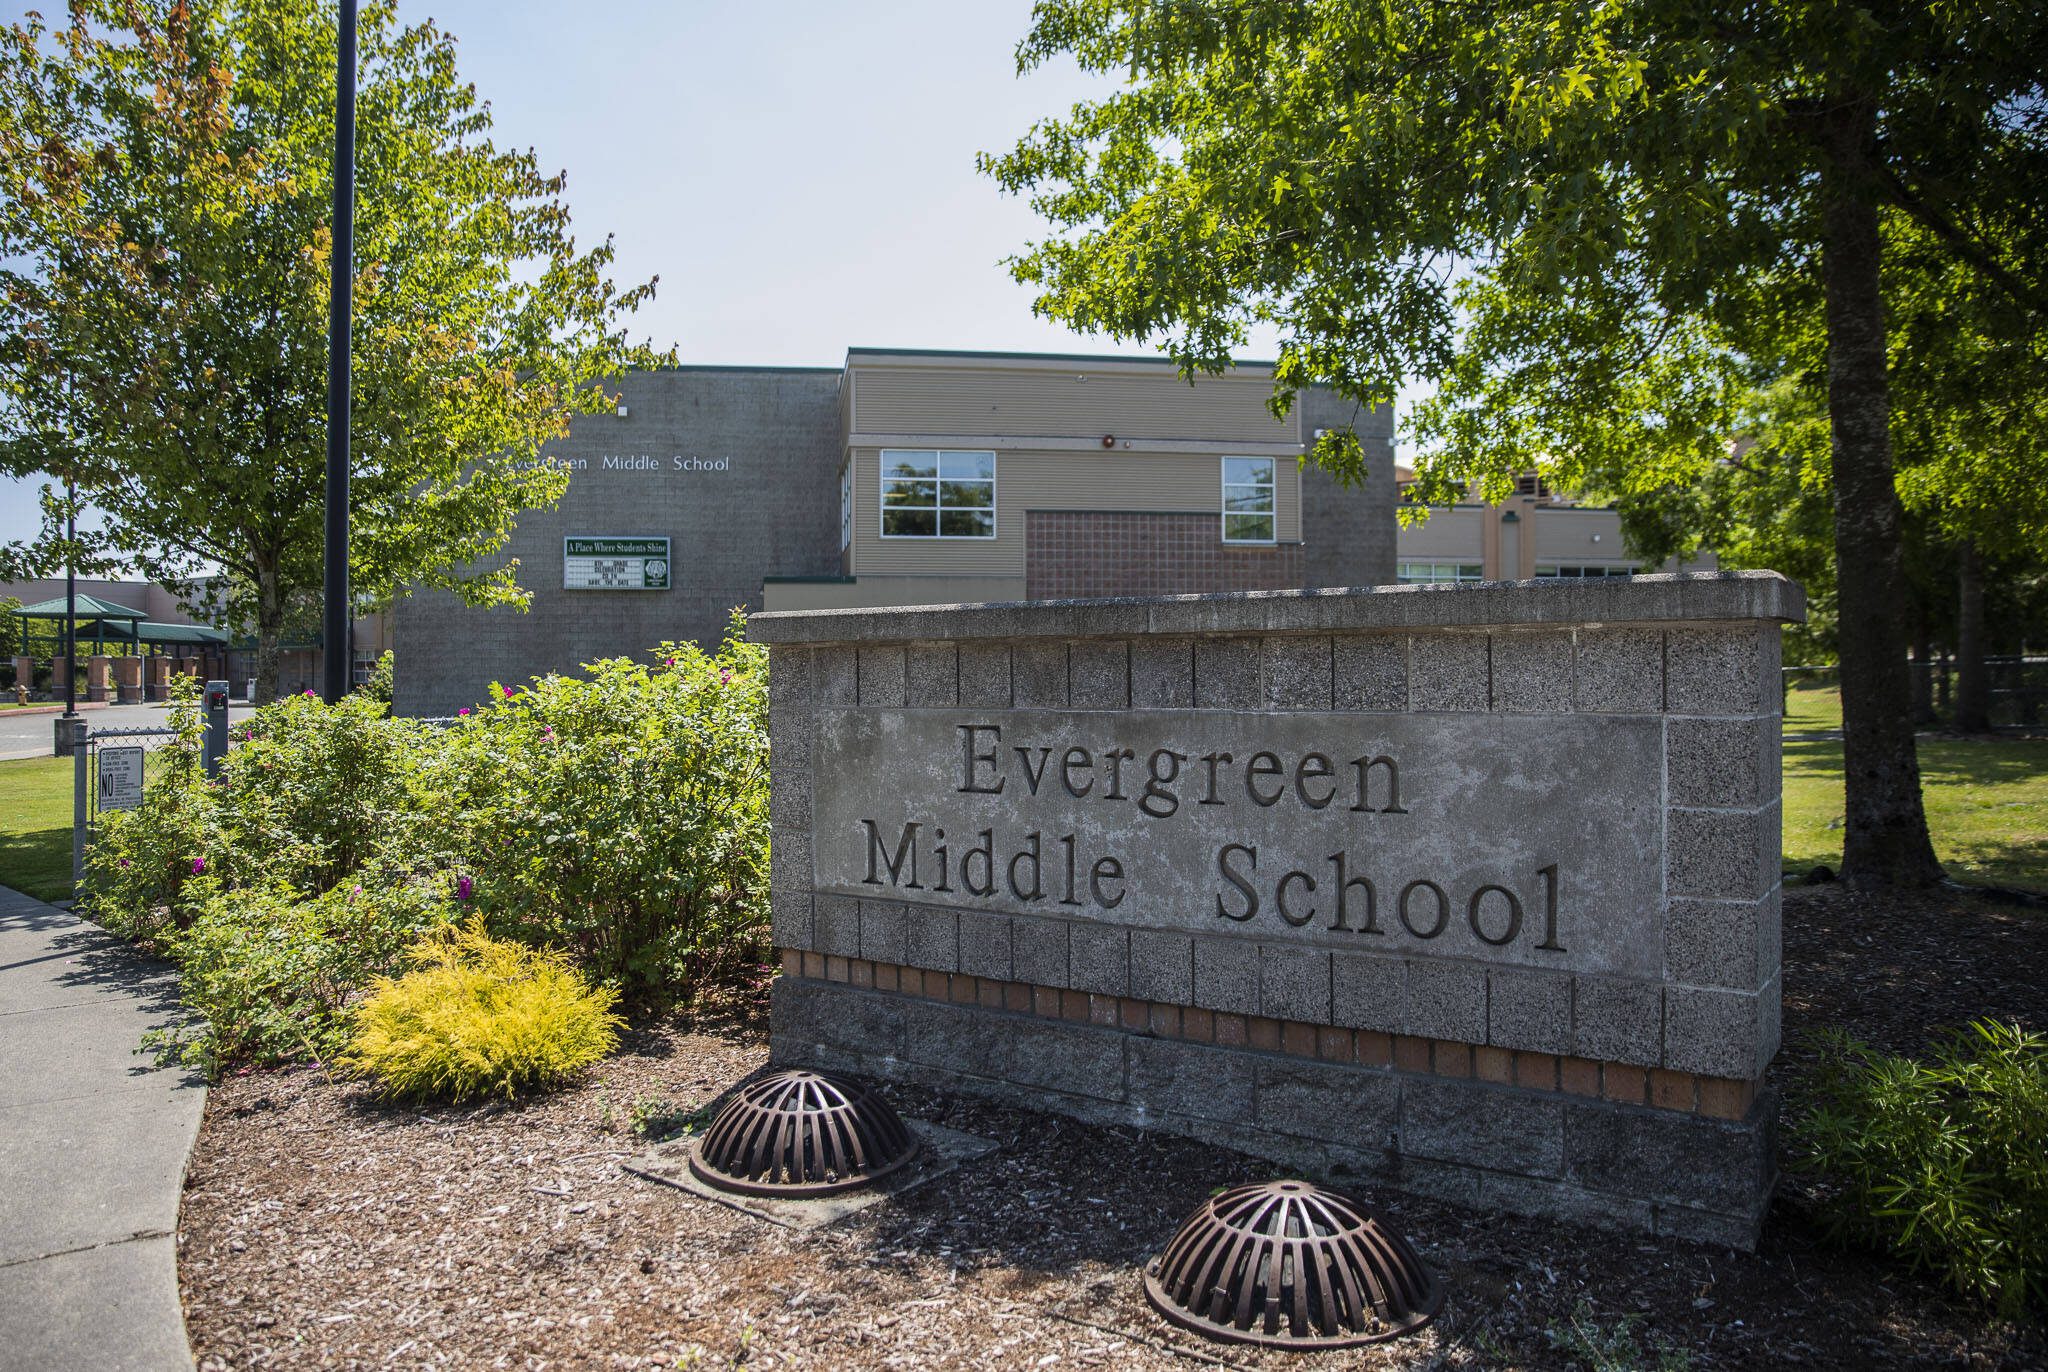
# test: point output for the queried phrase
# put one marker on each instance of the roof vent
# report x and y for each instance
(801, 1134)
(1287, 1264)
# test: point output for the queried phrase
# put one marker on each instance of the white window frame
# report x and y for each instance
(1271, 486)
(1455, 565)
(938, 509)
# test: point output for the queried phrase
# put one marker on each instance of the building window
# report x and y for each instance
(1248, 500)
(1417, 573)
(1573, 569)
(931, 494)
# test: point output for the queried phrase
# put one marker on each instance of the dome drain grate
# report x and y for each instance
(1288, 1264)
(798, 1134)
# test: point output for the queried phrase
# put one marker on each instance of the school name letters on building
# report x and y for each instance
(1488, 837)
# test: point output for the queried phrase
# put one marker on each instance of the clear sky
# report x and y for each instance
(799, 175)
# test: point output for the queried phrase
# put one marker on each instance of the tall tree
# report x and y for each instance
(1409, 190)
(164, 244)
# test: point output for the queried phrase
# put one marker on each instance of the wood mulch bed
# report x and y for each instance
(321, 1229)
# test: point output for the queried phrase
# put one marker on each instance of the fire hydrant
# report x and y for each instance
(20, 693)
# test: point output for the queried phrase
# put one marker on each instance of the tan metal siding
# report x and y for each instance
(1567, 535)
(1455, 535)
(1043, 403)
(1028, 480)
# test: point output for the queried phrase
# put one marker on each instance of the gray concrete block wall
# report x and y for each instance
(1347, 532)
(1705, 1015)
(770, 512)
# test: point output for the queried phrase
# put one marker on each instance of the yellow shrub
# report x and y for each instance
(479, 1016)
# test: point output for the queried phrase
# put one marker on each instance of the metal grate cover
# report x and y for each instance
(1288, 1264)
(797, 1134)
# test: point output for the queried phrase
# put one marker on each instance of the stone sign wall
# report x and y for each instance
(1466, 890)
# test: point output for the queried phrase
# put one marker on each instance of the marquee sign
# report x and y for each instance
(615, 564)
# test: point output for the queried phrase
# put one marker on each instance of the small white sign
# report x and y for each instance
(120, 778)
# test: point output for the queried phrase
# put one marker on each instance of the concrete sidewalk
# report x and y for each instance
(93, 1143)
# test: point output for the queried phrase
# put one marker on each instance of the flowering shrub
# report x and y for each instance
(480, 1017)
(268, 973)
(142, 860)
(620, 817)
(316, 795)
(623, 817)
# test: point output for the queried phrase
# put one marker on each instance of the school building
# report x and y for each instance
(907, 477)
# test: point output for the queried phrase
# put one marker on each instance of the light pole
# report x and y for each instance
(70, 600)
(338, 655)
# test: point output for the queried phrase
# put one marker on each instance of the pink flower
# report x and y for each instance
(507, 690)
(462, 888)
(724, 678)
(198, 866)
(463, 711)
(124, 862)
(309, 695)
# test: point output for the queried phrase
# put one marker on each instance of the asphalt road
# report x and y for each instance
(33, 735)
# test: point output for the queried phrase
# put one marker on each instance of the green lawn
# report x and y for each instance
(1813, 705)
(35, 826)
(1987, 804)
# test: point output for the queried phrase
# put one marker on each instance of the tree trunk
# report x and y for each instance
(1885, 840)
(1923, 671)
(1973, 689)
(269, 629)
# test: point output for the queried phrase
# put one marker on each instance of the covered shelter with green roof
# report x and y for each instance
(108, 622)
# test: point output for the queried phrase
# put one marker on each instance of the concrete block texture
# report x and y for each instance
(1722, 763)
(1669, 1158)
(1715, 1033)
(1038, 674)
(1449, 671)
(1039, 951)
(835, 922)
(1469, 1122)
(1731, 597)
(1099, 675)
(985, 675)
(1328, 1101)
(1226, 976)
(1470, 1142)
(1162, 966)
(1532, 672)
(1721, 854)
(1370, 671)
(1294, 984)
(1723, 943)
(1163, 673)
(1720, 670)
(933, 672)
(838, 675)
(884, 674)
(1618, 671)
(885, 931)
(932, 939)
(985, 945)
(1618, 1021)
(1099, 959)
(1297, 673)
(1529, 1011)
(1445, 1000)
(1227, 674)
(1368, 992)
